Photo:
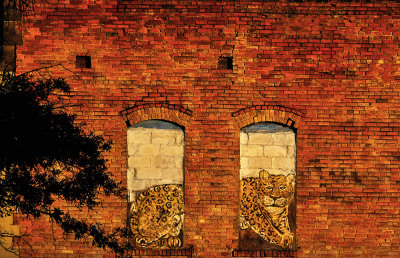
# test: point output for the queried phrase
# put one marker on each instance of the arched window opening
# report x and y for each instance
(267, 187)
(155, 184)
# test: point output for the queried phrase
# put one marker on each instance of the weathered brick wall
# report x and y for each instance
(329, 70)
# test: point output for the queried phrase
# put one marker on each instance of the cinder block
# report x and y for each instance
(283, 162)
(168, 162)
(260, 162)
(139, 162)
(163, 136)
(251, 150)
(274, 151)
(176, 151)
(148, 150)
(247, 172)
(260, 138)
(179, 138)
(291, 151)
(148, 173)
(175, 175)
(244, 162)
(277, 171)
(133, 149)
(244, 138)
(138, 136)
(139, 185)
(286, 138)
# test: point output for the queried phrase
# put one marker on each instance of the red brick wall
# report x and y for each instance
(333, 68)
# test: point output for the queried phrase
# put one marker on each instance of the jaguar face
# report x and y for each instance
(275, 190)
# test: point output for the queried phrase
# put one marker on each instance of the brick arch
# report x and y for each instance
(172, 113)
(277, 114)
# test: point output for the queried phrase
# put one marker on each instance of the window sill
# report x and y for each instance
(188, 251)
(264, 253)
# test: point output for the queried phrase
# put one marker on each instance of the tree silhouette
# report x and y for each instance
(45, 156)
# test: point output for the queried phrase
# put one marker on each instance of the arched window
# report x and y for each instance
(267, 179)
(155, 183)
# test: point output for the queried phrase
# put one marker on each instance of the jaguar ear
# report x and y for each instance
(264, 174)
(290, 178)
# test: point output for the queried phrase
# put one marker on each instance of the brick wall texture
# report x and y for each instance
(329, 70)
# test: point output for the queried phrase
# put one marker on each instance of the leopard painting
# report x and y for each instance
(264, 207)
(156, 217)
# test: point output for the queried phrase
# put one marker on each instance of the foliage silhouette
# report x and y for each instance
(46, 157)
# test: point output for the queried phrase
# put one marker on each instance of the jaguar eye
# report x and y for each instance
(269, 187)
(282, 188)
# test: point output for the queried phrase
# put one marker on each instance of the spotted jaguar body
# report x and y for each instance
(264, 207)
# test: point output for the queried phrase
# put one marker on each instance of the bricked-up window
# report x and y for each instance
(267, 176)
(83, 62)
(225, 62)
(155, 184)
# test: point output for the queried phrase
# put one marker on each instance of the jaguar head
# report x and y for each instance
(275, 190)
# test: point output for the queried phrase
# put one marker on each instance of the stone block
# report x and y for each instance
(251, 150)
(259, 162)
(277, 171)
(244, 162)
(179, 138)
(174, 174)
(148, 150)
(291, 151)
(131, 175)
(139, 162)
(284, 138)
(132, 149)
(260, 138)
(163, 136)
(148, 173)
(244, 138)
(139, 185)
(176, 151)
(246, 172)
(283, 163)
(274, 151)
(138, 136)
(168, 162)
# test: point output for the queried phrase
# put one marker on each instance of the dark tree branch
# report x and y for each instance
(49, 158)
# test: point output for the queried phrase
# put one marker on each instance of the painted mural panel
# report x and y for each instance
(155, 180)
(267, 188)
(156, 217)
